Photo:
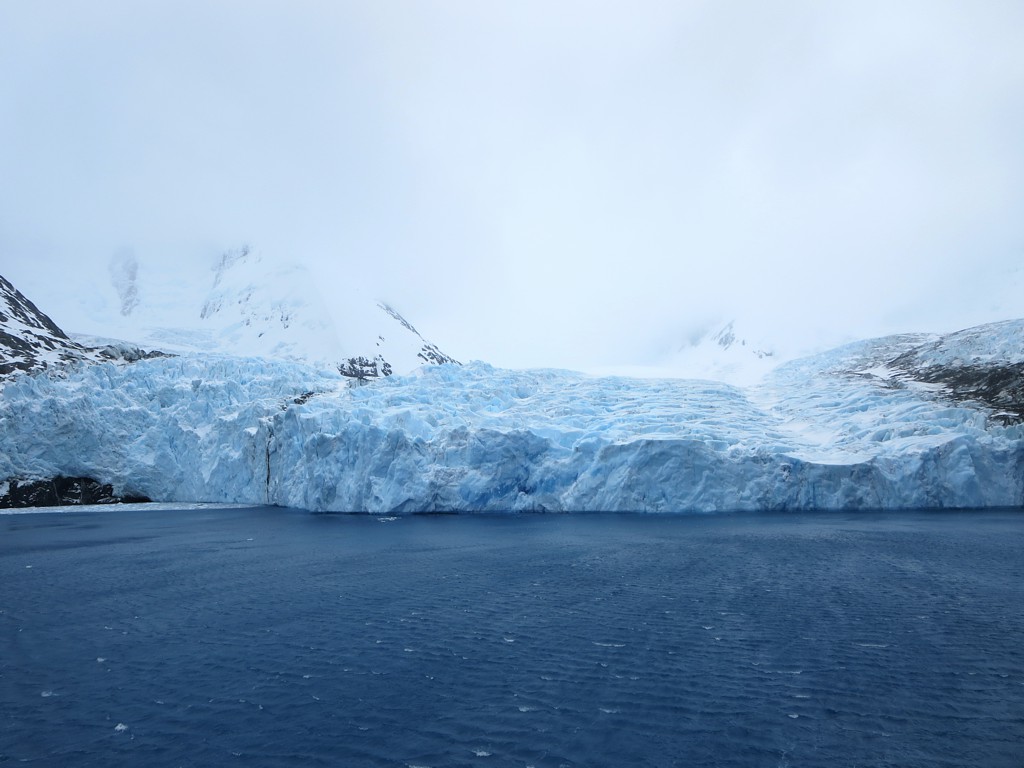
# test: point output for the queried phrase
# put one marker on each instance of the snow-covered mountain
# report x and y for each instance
(899, 422)
(29, 340)
(265, 309)
(245, 303)
(726, 351)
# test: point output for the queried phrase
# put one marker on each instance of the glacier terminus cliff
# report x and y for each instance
(915, 421)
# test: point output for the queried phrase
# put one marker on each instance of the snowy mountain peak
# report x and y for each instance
(261, 307)
(718, 352)
(267, 309)
(244, 302)
(29, 340)
(405, 323)
(726, 336)
(255, 306)
(727, 339)
(428, 353)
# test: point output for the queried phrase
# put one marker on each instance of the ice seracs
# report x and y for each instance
(900, 422)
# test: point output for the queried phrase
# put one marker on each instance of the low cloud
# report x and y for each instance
(535, 184)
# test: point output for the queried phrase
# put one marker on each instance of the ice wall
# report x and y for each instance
(474, 438)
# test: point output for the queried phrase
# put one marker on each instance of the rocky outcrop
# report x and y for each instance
(29, 340)
(60, 491)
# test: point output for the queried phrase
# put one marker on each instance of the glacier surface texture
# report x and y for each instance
(900, 422)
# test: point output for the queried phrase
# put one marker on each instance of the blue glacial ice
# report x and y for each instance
(844, 430)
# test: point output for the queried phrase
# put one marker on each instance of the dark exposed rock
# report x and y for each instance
(999, 387)
(431, 354)
(127, 353)
(362, 369)
(970, 366)
(61, 491)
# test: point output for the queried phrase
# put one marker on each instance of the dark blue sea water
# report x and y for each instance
(268, 637)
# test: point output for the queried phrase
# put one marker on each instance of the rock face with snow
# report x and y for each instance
(900, 422)
(979, 365)
(29, 340)
(726, 351)
(276, 310)
(250, 304)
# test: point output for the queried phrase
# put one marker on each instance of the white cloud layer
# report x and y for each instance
(535, 183)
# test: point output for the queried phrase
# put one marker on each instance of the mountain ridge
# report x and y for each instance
(29, 339)
(251, 305)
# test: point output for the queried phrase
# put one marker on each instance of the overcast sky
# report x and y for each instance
(535, 183)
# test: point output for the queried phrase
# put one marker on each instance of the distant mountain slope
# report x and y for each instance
(722, 351)
(905, 394)
(30, 340)
(729, 354)
(982, 364)
(244, 302)
(260, 307)
(250, 306)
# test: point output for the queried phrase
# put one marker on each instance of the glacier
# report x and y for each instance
(866, 426)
